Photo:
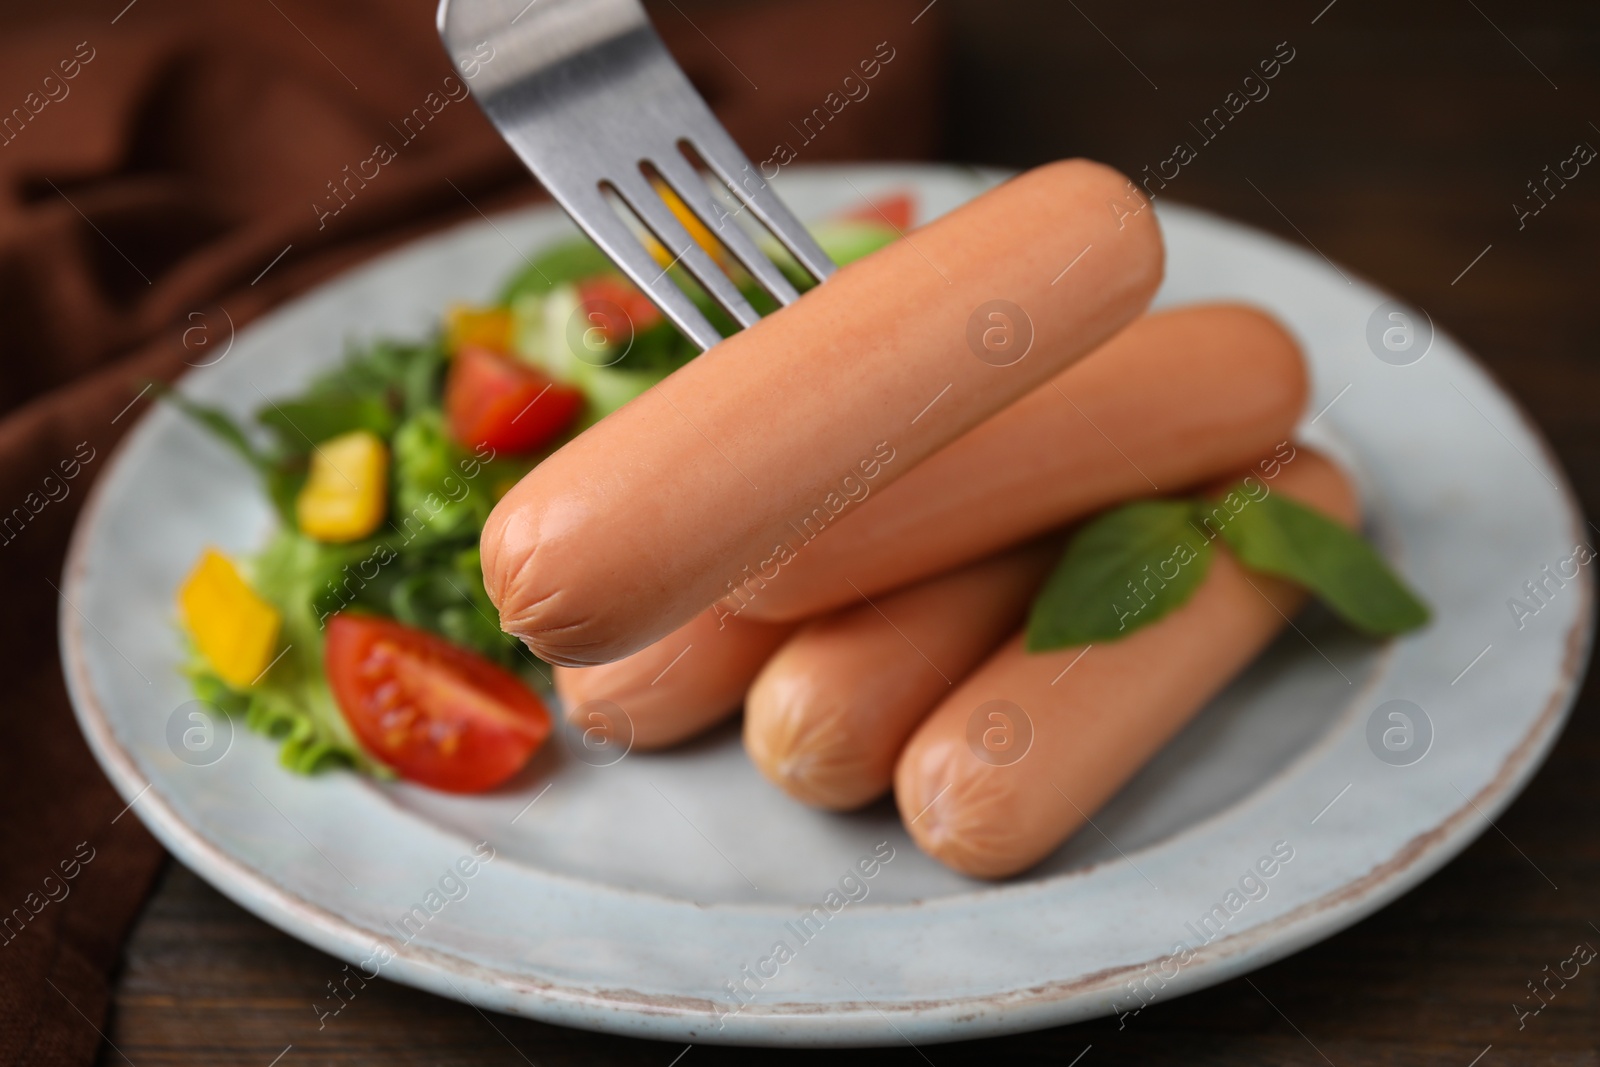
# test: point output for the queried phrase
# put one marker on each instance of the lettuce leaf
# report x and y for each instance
(292, 702)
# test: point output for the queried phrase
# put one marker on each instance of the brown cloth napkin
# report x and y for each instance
(160, 163)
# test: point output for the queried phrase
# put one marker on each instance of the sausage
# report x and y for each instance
(829, 713)
(1213, 385)
(1094, 721)
(1171, 402)
(680, 685)
(649, 516)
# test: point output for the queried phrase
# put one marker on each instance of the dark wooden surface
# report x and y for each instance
(1396, 143)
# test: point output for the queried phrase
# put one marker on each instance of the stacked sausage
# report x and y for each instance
(838, 517)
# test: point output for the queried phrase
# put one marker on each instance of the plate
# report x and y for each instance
(650, 896)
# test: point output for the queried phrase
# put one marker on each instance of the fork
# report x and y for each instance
(588, 97)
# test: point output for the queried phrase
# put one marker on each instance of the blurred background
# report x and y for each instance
(165, 192)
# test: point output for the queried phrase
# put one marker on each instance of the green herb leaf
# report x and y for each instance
(404, 374)
(302, 424)
(572, 261)
(845, 241)
(434, 497)
(445, 595)
(1277, 536)
(281, 476)
(219, 423)
(1123, 570)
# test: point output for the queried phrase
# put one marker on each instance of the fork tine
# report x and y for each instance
(648, 205)
(617, 240)
(688, 184)
(726, 159)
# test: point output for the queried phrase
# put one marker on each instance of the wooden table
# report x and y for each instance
(1394, 142)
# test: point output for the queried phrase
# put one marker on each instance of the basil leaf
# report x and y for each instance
(1277, 536)
(1123, 570)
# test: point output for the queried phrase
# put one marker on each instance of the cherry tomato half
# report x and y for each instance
(513, 408)
(435, 712)
(896, 210)
(617, 308)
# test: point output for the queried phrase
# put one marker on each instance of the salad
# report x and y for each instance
(360, 634)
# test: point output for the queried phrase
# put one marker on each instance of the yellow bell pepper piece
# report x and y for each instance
(691, 222)
(346, 493)
(232, 626)
(483, 327)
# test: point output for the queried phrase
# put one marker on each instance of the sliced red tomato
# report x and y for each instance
(435, 712)
(898, 210)
(618, 309)
(513, 408)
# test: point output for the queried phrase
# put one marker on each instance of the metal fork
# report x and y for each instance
(588, 96)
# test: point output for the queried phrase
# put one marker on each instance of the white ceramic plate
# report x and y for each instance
(631, 897)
